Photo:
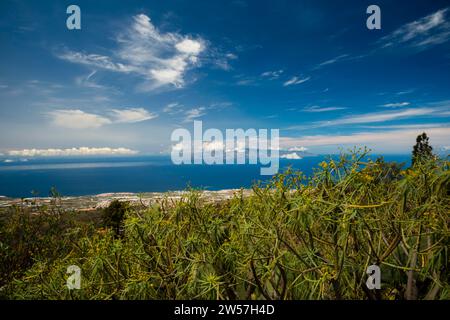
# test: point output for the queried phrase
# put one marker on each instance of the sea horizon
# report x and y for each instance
(94, 175)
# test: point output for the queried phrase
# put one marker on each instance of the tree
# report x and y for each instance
(114, 215)
(422, 150)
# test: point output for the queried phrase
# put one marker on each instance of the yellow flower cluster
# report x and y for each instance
(323, 164)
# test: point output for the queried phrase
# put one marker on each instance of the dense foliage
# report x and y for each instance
(295, 238)
(422, 149)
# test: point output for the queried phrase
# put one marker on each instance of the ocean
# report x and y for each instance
(89, 176)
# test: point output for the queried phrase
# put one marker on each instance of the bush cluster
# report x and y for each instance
(294, 238)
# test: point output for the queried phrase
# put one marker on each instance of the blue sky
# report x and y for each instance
(137, 70)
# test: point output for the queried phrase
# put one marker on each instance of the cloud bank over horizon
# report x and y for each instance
(81, 151)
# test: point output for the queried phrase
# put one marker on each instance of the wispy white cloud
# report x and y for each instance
(95, 60)
(439, 109)
(132, 115)
(337, 59)
(396, 104)
(88, 81)
(332, 61)
(173, 108)
(423, 33)
(231, 56)
(322, 109)
(82, 151)
(295, 80)
(243, 80)
(272, 75)
(378, 117)
(421, 126)
(220, 105)
(246, 82)
(192, 114)
(159, 58)
(401, 93)
(219, 60)
(384, 141)
(78, 119)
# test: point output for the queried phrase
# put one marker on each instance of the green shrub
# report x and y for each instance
(294, 238)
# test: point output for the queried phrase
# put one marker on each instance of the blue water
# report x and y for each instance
(89, 176)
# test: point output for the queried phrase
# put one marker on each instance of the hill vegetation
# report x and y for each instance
(295, 238)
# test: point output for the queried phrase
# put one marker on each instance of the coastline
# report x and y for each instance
(102, 200)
